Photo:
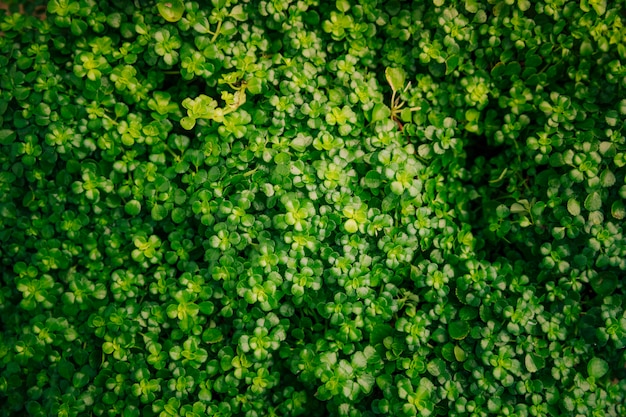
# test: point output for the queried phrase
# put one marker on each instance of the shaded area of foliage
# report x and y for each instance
(348, 208)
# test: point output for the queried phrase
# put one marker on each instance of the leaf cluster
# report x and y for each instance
(307, 208)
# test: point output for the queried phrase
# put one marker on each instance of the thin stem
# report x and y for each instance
(217, 31)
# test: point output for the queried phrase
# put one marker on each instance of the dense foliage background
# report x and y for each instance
(301, 207)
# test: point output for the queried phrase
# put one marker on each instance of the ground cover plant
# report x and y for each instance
(312, 208)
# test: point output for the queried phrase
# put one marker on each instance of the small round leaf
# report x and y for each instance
(158, 213)
(573, 207)
(132, 208)
(458, 329)
(604, 283)
(593, 201)
(597, 367)
(171, 10)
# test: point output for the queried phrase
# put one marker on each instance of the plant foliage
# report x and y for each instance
(312, 208)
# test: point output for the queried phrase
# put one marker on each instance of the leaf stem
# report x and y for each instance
(217, 31)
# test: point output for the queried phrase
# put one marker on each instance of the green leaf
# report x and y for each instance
(586, 48)
(593, 201)
(436, 367)
(607, 178)
(523, 5)
(618, 210)
(468, 313)
(351, 226)
(366, 381)
(604, 283)
(372, 179)
(380, 112)
(254, 85)
(379, 333)
(7, 136)
(132, 208)
(187, 123)
(573, 207)
(458, 329)
(158, 212)
(599, 6)
(459, 354)
(301, 142)
(534, 362)
(502, 211)
(206, 307)
(522, 206)
(452, 63)
(342, 5)
(212, 335)
(178, 215)
(471, 6)
(66, 369)
(171, 10)
(396, 78)
(80, 379)
(597, 367)
(238, 13)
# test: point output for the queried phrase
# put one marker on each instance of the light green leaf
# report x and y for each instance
(171, 10)
(521, 206)
(607, 178)
(301, 142)
(342, 5)
(380, 112)
(366, 382)
(573, 207)
(599, 6)
(533, 362)
(597, 367)
(471, 6)
(523, 5)
(187, 123)
(593, 201)
(459, 354)
(238, 13)
(396, 78)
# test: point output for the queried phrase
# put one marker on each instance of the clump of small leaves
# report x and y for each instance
(304, 208)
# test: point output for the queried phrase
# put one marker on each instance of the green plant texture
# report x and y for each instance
(349, 208)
